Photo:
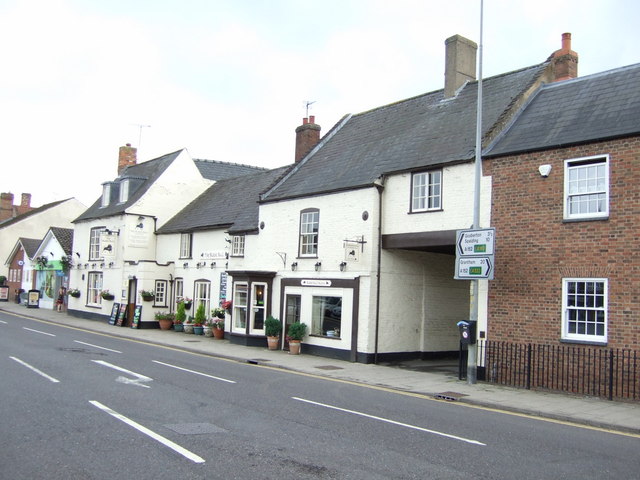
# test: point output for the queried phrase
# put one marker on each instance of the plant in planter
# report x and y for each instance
(272, 329)
(66, 263)
(74, 292)
(226, 306)
(107, 295)
(188, 325)
(200, 318)
(2, 279)
(165, 319)
(186, 301)
(179, 319)
(295, 334)
(207, 328)
(147, 295)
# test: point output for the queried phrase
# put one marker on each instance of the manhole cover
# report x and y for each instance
(328, 367)
(449, 396)
(195, 428)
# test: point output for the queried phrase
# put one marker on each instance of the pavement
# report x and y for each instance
(430, 379)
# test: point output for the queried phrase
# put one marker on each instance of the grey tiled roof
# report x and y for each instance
(215, 170)
(228, 203)
(64, 237)
(30, 245)
(595, 107)
(422, 131)
(150, 171)
(30, 213)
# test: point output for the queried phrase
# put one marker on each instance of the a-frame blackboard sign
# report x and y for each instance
(135, 322)
(122, 314)
(114, 313)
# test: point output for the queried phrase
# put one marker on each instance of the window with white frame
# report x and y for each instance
(106, 194)
(240, 300)
(202, 295)
(586, 188)
(161, 293)
(94, 285)
(258, 306)
(94, 243)
(426, 191)
(237, 249)
(124, 190)
(584, 309)
(185, 245)
(309, 225)
(178, 286)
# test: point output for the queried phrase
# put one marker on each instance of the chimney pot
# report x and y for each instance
(305, 120)
(312, 119)
(564, 62)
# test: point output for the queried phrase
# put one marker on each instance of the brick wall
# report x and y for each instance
(535, 249)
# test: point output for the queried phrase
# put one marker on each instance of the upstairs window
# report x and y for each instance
(94, 243)
(309, 225)
(586, 188)
(106, 194)
(426, 191)
(124, 191)
(237, 249)
(185, 245)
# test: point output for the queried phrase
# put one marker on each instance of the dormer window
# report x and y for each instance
(106, 194)
(124, 190)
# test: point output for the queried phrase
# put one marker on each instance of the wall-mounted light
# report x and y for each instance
(317, 266)
(112, 232)
(93, 265)
(86, 265)
(111, 264)
(78, 254)
(544, 170)
(343, 266)
(213, 264)
(102, 265)
(79, 266)
(185, 265)
(51, 253)
(294, 265)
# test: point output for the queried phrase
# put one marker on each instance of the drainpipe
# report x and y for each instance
(379, 184)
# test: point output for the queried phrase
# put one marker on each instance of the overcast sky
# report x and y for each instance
(228, 79)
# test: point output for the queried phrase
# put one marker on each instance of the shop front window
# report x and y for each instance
(326, 316)
(240, 294)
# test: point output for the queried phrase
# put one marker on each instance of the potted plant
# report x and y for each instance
(165, 319)
(272, 329)
(179, 319)
(295, 334)
(207, 328)
(188, 325)
(147, 295)
(107, 295)
(200, 318)
(186, 301)
(74, 292)
(226, 306)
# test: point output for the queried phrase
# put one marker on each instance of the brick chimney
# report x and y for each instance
(25, 204)
(460, 63)
(564, 62)
(126, 157)
(6, 206)
(307, 137)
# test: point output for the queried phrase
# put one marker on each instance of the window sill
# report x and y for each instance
(585, 219)
(413, 212)
(325, 336)
(599, 343)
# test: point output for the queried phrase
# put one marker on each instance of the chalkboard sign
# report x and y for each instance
(114, 314)
(136, 317)
(223, 286)
(122, 314)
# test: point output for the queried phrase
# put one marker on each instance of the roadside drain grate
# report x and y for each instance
(449, 396)
(192, 341)
(328, 367)
(194, 428)
(257, 361)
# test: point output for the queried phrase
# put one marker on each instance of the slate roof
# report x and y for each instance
(30, 213)
(586, 109)
(64, 237)
(30, 245)
(215, 170)
(150, 171)
(422, 131)
(228, 203)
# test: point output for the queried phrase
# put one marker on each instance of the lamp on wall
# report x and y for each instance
(294, 266)
(213, 264)
(317, 266)
(185, 265)
(343, 266)
(111, 264)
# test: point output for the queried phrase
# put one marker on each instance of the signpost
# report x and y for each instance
(474, 254)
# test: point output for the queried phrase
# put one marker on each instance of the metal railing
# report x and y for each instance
(611, 373)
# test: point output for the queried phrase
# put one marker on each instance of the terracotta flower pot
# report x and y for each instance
(165, 323)
(294, 347)
(273, 343)
(218, 333)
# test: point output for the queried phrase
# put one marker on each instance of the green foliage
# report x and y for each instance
(297, 331)
(201, 315)
(272, 327)
(181, 315)
(164, 316)
(2, 279)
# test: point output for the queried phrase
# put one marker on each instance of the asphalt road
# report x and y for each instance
(80, 405)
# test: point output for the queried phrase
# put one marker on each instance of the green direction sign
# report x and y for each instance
(475, 242)
(474, 268)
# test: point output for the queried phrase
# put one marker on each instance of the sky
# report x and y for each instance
(229, 80)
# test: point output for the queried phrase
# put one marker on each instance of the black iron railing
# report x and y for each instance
(611, 373)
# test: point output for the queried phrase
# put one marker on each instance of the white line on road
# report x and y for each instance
(165, 441)
(139, 377)
(435, 432)
(2, 321)
(38, 331)
(51, 379)
(96, 346)
(193, 371)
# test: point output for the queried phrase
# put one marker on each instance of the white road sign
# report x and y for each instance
(475, 242)
(473, 268)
